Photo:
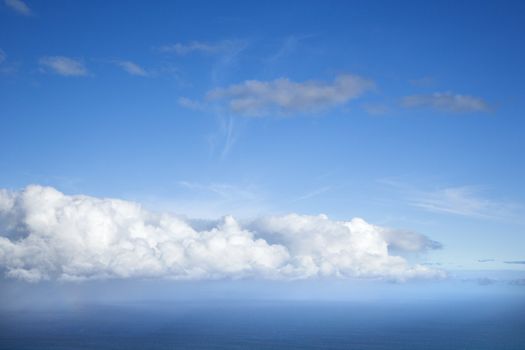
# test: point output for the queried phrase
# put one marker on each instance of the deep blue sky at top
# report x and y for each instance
(457, 176)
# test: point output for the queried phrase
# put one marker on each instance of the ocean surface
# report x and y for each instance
(476, 325)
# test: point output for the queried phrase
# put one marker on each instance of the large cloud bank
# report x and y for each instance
(45, 234)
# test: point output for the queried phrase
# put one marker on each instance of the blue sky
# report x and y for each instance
(406, 114)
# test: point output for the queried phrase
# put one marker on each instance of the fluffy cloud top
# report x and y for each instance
(45, 234)
(18, 6)
(254, 97)
(448, 102)
(63, 66)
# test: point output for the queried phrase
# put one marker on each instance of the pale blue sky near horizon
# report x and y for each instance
(152, 102)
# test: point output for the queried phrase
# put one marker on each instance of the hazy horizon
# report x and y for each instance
(262, 174)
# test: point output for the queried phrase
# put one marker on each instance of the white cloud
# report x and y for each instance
(63, 65)
(408, 241)
(254, 97)
(468, 201)
(48, 235)
(465, 201)
(202, 47)
(340, 248)
(132, 68)
(19, 6)
(447, 101)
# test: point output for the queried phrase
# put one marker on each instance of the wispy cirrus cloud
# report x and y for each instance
(519, 262)
(219, 47)
(19, 7)
(313, 193)
(447, 101)
(132, 68)
(286, 97)
(468, 201)
(464, 201)
(5, 66)
(64, 66)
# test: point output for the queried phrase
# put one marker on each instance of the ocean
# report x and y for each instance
(215, 324)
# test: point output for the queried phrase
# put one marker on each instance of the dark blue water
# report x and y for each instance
(441, 325)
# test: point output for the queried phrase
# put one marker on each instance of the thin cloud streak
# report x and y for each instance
(464, 201)
(220, 47)
(314, 193)
(132, 68)
(467, 201)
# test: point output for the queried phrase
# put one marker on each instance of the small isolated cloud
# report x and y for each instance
(19, 7)
(182, 49)
(63, 66)
(283, 96)
(3, 56)
(45, 234)
(485, 260)
(132, 68)
(447, 101)
(521, 262)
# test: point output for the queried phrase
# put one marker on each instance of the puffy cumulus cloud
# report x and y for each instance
(255, 98)
(63, 66)
(45, 234)
(448, 102)
(344, 248)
